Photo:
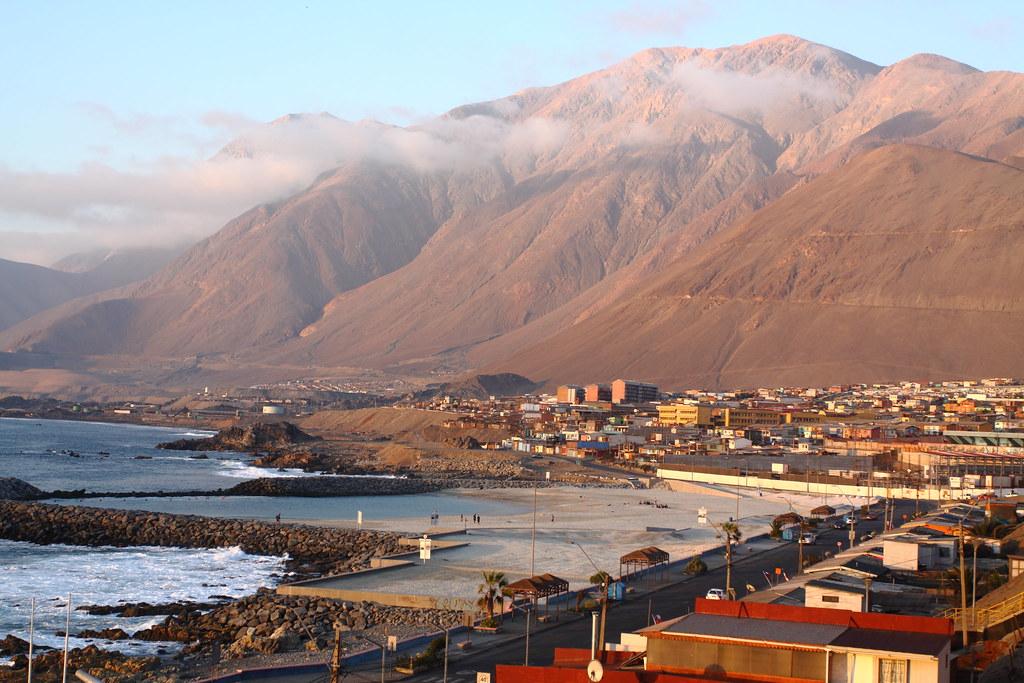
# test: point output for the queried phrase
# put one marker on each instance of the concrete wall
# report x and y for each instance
(820, 489)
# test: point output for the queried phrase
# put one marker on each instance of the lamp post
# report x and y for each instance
(604, 592)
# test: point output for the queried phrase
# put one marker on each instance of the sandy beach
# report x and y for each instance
(572, 524)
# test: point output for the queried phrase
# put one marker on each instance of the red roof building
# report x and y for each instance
(766, 643)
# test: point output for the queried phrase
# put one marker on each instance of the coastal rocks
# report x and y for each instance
(13, 645)
(145, 609)
(259, 436)
(331, 486)
(16, 489)
(105, 665)
(103, 634)
(311, 551)
(268, 623)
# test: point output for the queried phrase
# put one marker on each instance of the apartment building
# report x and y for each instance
(629, 391)
(684, 414)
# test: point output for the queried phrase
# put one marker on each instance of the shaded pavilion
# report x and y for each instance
(643, 559)
(535, 588)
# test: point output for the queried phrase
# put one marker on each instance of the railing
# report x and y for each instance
(979, 619)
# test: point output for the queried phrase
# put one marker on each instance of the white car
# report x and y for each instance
(715, 594)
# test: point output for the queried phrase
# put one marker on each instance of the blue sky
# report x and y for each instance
(121, 82)
(121, 87)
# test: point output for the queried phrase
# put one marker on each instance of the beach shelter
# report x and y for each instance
(641, 560)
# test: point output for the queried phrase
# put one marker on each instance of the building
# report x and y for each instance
(759, 642)
(596, 393)
(749, 417)
(628, 391)
(684, 414)
(912, 552)
(833, 595)
(570, 393)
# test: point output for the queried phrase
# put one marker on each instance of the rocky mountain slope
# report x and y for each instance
(883, 268)
(512, 224)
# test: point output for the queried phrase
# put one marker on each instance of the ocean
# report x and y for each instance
(37, 452)
(108, 458)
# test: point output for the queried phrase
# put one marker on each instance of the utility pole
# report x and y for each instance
(728, 565)
(974, 576)
(604, 610)
(533, 536)
(336, 657)
(800, 549)
(31, 635)
(963, 586)
(67, 632)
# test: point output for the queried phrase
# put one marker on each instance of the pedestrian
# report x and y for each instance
(277, 518)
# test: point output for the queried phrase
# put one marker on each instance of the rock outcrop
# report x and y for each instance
(261, 436)
(16, 489)
(311, 550)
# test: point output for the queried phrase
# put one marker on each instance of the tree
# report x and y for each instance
(732, 535)
(492, 592)
(776, 529)
(600, 577)
(696, 566)
(988, 528)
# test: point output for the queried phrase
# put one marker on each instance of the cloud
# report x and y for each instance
(659, 18)
(734, 92)
(174, 200)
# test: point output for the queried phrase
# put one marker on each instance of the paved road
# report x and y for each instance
(631, 615)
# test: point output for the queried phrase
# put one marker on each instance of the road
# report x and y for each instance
(631, 615)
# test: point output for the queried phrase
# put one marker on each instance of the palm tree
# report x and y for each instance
(492, 592)
(600, 577)
(732, 535)
(776, 529)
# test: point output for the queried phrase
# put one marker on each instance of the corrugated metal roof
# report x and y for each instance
(763, 630)
(892, 641)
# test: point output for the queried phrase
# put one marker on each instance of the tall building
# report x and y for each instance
(628, 391)
(570, 393)
(684, 414)
(598, 392)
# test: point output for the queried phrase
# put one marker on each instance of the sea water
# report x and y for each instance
(108, 458)
(110, 576)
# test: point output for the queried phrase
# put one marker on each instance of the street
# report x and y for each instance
(630, 615)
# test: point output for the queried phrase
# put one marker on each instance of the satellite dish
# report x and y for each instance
(595, 671)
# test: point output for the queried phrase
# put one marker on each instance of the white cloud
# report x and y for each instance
(47, 215)
(660, 17)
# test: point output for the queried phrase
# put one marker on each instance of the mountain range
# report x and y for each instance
(774, 212)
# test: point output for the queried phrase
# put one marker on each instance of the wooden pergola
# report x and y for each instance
(535, 588)
(642, 559)
(823, 511)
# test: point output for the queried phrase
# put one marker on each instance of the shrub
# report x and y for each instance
(696, 566)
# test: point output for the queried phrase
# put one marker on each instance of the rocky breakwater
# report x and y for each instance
(260, 436)
(16, 489)
(327, 486)
(267, 623)
(312, 551)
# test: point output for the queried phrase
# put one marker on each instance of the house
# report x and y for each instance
(823, 593)
(913, 552)
(761, 643)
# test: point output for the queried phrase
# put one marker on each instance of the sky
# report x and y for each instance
(109, 104)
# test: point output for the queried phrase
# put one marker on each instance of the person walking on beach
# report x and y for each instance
(277, 518)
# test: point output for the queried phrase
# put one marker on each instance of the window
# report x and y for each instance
(893, 671)
(830, 598)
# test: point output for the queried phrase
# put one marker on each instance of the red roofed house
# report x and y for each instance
(754, 642)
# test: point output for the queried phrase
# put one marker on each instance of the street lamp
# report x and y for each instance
(605, 576)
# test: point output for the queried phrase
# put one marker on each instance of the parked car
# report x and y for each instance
(808, 538)
(840, 525)
(715, 594)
